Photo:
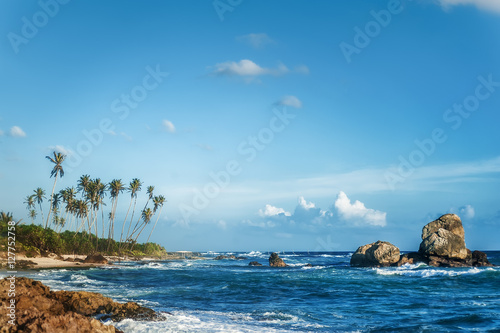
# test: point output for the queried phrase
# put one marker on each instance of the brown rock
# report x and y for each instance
(40, 310)
(95, 259)
(444, 237)
(276, 261)
(375, 255)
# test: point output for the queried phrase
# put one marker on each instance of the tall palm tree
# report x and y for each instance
(56, 201)
(32, 215)
(134, 187)
(137, 226)
(81, 211)
(68, 195)
(83, 185)
(39, 196)
(146, 216)
(30, 205)
(115, 188)
(57, 159)
(158, 203)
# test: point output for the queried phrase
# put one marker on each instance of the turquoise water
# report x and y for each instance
(230, 296)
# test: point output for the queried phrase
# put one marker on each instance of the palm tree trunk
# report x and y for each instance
(154, 226)
(124, 222)
(50, 202)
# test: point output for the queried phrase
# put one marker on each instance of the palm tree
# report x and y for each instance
(39, 196)
(68, 197)
(146, 216)
(134, 187)
(115, 188)
(137, 226)
(56, 171)
(56, 200)
(32, 215)
(81, 211)
(158, 202)
(30, 204)
(83, 185)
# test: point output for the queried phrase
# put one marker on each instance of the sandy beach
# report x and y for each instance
(75, 261)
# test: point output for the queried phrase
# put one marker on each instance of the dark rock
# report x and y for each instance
(276, 261)
(308, 265)
(254, 263)
(411, 258)
(95, 259)
(231, 256)
(444, 237)
(480, 259)
(375, 255)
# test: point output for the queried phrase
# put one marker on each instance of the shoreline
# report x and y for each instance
(76, 261)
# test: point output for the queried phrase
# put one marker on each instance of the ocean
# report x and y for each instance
(231, 296)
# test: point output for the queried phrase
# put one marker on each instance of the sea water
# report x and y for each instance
(231, 296)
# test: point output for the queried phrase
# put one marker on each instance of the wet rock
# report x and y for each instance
(376, 254)
(411, 258)
(254, 263)
(38, 309)
(95, 259)
(276, 261)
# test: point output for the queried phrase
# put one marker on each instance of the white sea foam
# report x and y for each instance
(206, 321)
(414, 270)
(254, 254)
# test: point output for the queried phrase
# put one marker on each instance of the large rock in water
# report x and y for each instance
(375, 255)
(276, 261)
(444, 237)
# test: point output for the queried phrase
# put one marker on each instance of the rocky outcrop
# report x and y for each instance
(443, 245)
(276, 261)
(254, 263)
(95, 259)
(444, 238)
(231, 256)
(376, 254)
(38, 309)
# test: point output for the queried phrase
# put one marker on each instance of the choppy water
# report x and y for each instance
(230, 296)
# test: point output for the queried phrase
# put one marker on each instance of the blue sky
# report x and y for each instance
(266, 125)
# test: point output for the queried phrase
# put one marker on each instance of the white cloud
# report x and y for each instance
(273, 211)
(464, 212)
(290, 101)
(1, 133)
(357, 212)
(17, 132)
(490, 5)
(169, 127)
(247, 67)
(61, 149)
(255, 40)
(306, 205)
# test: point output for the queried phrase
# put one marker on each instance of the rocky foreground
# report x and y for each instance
(443, 245)
(38, 309)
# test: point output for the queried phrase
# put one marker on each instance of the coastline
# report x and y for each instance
(76, 261)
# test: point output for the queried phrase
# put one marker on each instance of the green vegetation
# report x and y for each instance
(34, 240)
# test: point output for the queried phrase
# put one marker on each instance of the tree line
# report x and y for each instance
(80, 208)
